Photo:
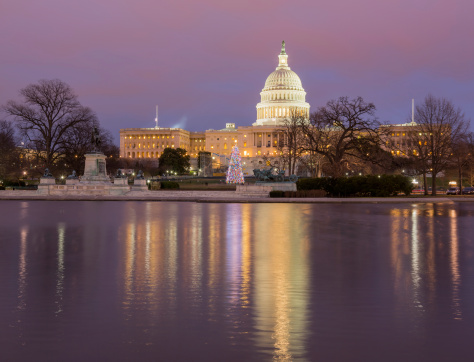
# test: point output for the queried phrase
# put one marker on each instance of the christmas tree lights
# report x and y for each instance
(234, 173)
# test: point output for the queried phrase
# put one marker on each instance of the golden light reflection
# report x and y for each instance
(214, 254)
(281, 278)
(399, 246)
(454, 264)
(60, 268)
(22, 282)
(246, 255)
(233, 249)
(129, 263)
(415, 259)
(194, 243)
(22, 269)
(430, 259)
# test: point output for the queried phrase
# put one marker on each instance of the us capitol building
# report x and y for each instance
(282, 95)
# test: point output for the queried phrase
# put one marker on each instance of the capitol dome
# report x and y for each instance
(283, 79)
(282, 96)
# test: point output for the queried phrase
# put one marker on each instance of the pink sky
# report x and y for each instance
(205, 63)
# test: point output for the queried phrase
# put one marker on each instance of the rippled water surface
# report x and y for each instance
(164, 281)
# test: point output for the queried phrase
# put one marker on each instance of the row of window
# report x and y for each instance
(283, 96)
(163, 145)
(140, 137)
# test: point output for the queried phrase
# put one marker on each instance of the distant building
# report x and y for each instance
(282, 95)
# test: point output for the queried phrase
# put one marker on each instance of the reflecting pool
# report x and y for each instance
(170, 281)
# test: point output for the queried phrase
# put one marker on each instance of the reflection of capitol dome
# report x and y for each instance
(282, 96)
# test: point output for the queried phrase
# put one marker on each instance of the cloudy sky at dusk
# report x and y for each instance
(205, 62)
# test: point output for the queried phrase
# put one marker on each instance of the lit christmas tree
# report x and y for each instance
(234, 173)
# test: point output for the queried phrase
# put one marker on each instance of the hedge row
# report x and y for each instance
(376, 186)
(169, 185)
(301, 193)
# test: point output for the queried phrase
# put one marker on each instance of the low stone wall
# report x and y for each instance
(82, 189)
(264, 188)
(253, 190)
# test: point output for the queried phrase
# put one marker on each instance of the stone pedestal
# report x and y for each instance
(121, 181)
(94, 169)
(120, 186)
(140, 185)
(44, 185)
(72, 181)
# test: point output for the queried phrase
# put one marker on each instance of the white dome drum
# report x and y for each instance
(282, 96)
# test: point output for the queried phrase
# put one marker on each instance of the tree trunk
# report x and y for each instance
(433, 184)
(425, 184)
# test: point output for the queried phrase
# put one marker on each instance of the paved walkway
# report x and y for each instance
(224, 196)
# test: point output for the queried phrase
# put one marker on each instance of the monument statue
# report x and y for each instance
(267, 175)
(119, 174)
(283, 47)
(95, 140)
(47, 174)
(73, 176)
(140, 175)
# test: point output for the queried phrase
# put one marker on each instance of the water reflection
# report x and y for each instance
(281, 281)
(60, 268)
(431, 231)
(22, 269)
(249, 281)
(454, 261)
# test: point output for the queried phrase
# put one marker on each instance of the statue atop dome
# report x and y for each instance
(283, 47)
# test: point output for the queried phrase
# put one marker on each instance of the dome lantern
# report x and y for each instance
(283, 58)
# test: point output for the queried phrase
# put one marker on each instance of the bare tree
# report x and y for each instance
(291, 145)
(462, 157)
(48, 111)
(9, 152)
(341, 131)
(440, 126)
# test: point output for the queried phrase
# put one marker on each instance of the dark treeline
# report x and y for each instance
(344, 138)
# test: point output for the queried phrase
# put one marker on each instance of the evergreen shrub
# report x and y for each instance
(169, 185)
(370, 185)
(277, 193)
